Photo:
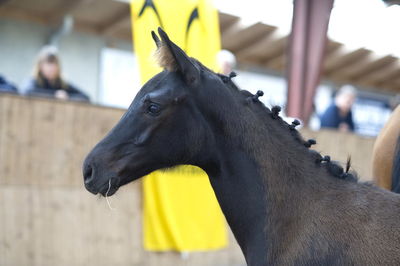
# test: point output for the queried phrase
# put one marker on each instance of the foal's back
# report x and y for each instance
(361, 224)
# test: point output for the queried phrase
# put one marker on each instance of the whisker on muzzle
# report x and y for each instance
(108, 190)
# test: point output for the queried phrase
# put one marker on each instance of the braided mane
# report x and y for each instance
(333, 167)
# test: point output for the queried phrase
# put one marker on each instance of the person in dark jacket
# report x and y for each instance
(339, 115)
(6, 86)
(47, 80)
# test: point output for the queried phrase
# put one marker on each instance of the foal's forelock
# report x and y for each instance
(165, 59)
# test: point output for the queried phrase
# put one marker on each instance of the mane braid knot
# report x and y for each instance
(294, 124)
(275, 111)
(226, 79)
(333, 168)
(255, 97)
(310, 142)
(326, 158)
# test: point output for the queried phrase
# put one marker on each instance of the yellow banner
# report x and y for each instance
(180, 209)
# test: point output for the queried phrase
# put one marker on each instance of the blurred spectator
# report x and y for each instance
(339, 115)
(47, 80)
(226, 61)
(6, 86)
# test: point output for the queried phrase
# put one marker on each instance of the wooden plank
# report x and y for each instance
(226, 20)
(118, 20)
(37, 6)
(17, 223)
(341, 58)
(332, 46)
(367, 69)
(48, 218)
(63, 8)
(350, 68)
(249, 34)
(384, 74)
(262, 47)
(278, 63)
(21, 14)
(340, 145)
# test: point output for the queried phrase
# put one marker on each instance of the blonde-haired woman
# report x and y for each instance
(47, 81)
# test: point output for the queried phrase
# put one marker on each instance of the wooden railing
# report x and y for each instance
(48, 218)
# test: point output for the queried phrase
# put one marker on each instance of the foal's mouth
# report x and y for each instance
(110, 187)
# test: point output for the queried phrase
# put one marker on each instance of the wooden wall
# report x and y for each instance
(48, 218)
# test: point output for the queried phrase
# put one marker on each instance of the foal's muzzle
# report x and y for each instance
(88, 177)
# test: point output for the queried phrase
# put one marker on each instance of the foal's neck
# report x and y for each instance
(240, 191)
(261, 173)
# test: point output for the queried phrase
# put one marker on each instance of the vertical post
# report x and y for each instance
(306, 53)
(297, 56)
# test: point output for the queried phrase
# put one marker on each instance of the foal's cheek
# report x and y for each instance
(143, 137)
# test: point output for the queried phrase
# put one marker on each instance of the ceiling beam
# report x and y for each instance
(226, 20)
(82, 26)
(342, 57)
(383, 74)
(332, 46)
(363, 67)
(253, 50)
(274, 49)
(21, 14)
(376, 65)
(118, 20)
(351, 67)
(278, 63)
(248, 35)
(390, 87)
(268, 47)
(65, 7)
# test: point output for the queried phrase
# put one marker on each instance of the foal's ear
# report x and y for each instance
(156, 39)
(173, 58)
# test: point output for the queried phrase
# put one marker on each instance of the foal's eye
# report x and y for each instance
(153, 109)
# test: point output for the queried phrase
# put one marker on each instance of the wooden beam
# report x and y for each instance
(255, 49)
(278, 63)
(390, 87)
(274, 49)
(383, 74)
(342, 57)
(226, 20)
(41, 18)
(63, 9)
(82, 26)
(351, 67)
(268, 47)
(376, 65)
(248, 35)
(230, 33)
(21, 14)
(332, 47)
(121, 17)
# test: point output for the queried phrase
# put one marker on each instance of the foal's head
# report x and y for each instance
(167, 123)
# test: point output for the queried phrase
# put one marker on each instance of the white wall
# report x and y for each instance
(80, 57)
(120, 80)
(19, 43)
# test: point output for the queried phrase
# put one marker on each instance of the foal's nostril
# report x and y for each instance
(87, 173)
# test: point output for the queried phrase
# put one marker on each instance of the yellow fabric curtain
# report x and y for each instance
(180, 209)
